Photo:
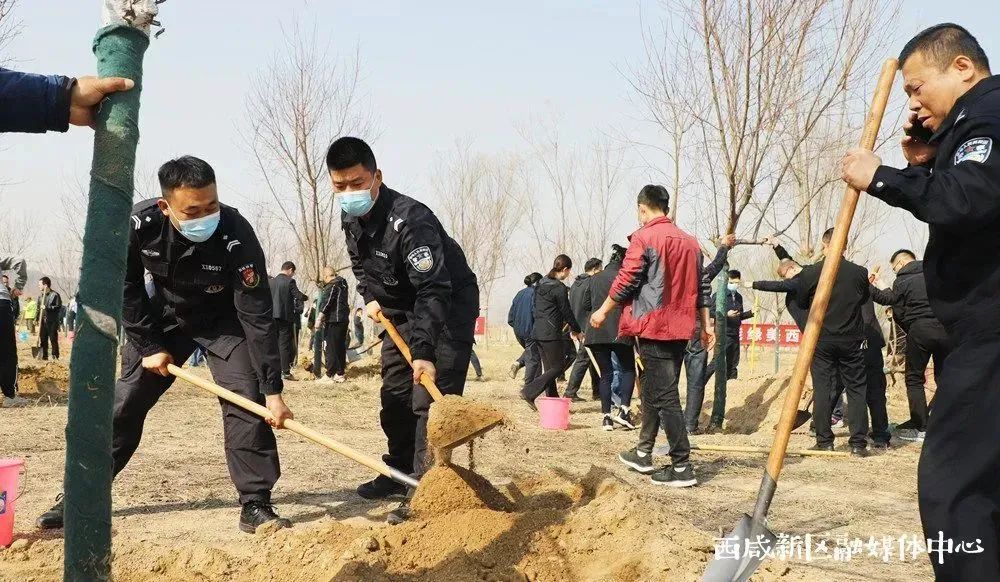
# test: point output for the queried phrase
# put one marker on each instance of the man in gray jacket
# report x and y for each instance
(8, 347)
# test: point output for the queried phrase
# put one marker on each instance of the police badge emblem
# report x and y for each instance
(249, 276)
(421, 259)
(974, 150)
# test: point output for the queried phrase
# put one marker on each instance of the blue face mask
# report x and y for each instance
(199, 229)
(732, 286)
(357, 202)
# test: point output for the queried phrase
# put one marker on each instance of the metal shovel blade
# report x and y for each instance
(741, 552)
(801, 417)
(353, 356)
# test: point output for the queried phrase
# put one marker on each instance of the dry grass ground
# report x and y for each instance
(579, 514)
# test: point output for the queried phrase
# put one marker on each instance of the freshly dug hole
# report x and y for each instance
(447, 488)
(455, 417)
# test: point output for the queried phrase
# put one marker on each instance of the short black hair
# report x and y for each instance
(185, 172)
(287, 265)
(592, 263)
(654, 196)
(617, 253)
(942, 43)
(347, 152)
(892, 259)
(734, 274)
(46, 281)
(828, 235)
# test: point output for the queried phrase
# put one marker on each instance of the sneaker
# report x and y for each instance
(908, 425)
(15, 402)
(913, 436)
(480, 378)
(836, 422)
(325, 380)
(381, 487)
(633, 460)
(623, 417)
(607, 424)
(512, 372)
(880, 446)
(679, 476)
(53, 518)
(400, 514)
(819, 447)
(339, 378)
(859, 452)
(575, 398)
(256, 513)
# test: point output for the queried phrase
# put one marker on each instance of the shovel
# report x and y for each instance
(752, 532)
(432, 389)
(803, 416)
(296, 427)
(355, 354)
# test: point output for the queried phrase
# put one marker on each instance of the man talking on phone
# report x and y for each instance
(953, 184)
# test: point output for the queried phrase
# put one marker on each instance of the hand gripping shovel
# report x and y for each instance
(751, 533)
(296, 427)
(459, 437)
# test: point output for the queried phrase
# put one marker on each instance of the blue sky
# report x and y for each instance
(434, 71)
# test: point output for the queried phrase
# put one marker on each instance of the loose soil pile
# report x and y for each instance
(41, 378)
(455, 417)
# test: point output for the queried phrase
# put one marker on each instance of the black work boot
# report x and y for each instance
(53, 518)
(257, 513)
(381, 487)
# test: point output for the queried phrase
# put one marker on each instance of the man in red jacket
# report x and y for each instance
(661, 286)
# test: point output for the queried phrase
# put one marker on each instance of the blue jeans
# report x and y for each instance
(616, 380)
(695, 359)
(197, 357)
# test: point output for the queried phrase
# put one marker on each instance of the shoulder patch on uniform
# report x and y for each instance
(421, 259)
(975, 150)
(137, 222)
(249, 276)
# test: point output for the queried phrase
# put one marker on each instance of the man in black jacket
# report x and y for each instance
(332, 317)
(50, 314)
(840, 350)
(735, 314)
(412, 272)
(925, 336)
(284, 293)
(210, 289)
(951, 182)
(695, 354)
(581, 364)
(8, 323)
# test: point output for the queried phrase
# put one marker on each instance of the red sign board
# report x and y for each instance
(786, 335)
(480, 325)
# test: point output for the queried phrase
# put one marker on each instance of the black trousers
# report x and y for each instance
(335, 335)
(732, 360)
(626, 378)
(925, 339)
(286, 344)
(846, 359)
(251, 451)
(49, 333)
(8, 350)
(581, 365)
(530, 359)
(405, 405)
(661, 400)
(553, 354)
(958, 483)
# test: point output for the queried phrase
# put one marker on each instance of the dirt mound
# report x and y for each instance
(38, 378)
(455, 417)
(561, 527)
(447, 488)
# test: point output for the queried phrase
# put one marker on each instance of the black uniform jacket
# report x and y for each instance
(403, 258)
(577, 292)
(958, 195)
(552, 311)
(908, 296)
(215, 291)
(286, 297)
(844, 319)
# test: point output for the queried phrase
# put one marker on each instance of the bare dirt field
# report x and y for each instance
(551, 506)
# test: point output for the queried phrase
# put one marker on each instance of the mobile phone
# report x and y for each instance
(919, 132)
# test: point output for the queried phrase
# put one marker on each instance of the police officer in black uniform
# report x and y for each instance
(953, 184)
(210, 290)
(408, 268)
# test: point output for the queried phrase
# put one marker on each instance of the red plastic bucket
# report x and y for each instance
(10, 471)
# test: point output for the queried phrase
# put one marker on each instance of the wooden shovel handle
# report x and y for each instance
(405, 350)
(294, 426)
(827, 277)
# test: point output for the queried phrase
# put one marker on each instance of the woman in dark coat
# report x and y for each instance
(604, 341)
(552, 313)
